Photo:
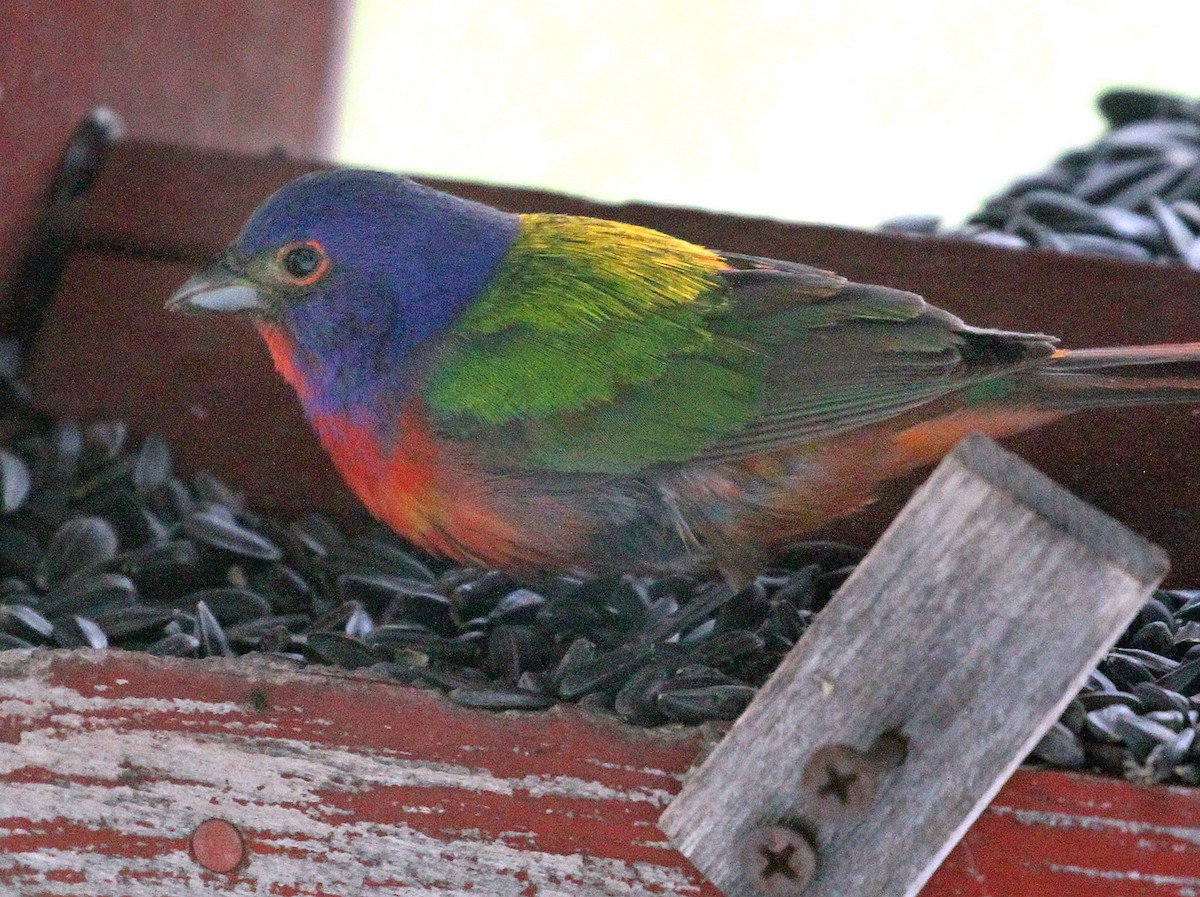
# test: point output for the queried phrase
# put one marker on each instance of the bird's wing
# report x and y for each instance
(854, 354)
(607, 348)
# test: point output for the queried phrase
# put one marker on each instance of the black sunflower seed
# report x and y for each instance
(340, 650)
(1074, 716)
(514, 649)
(15, 481)
(80, 632)
(1174, 720)
(268, 634)
(383, 554)
(1190, 611)
(80, 545)
(171, 500)
(1155, 610)
(152, 467)
(705, 604)
(220, 532)
(209, 488)
(636, 702)
(1126, 671)
(724, 648)
(518, 605)
(213, 642)
(1100, 245)
(1155, 183)
(317, 534)
(911, 224)
(359, 623)
(1001, 239)
(24, 621)
(1178, 234)
(230, 606)
(1155, 663)
(103, 441)
(1155, 697)
(1099, 699)
(378, 590)
(1102, 723)
(477, 596)
(177, 644)
(1104, 180)
(1156, 638)
(8, 642)
(19, 551)
(89, 594)
(122, 622)
(1141, 735)
(1184, 679)
(1061, 747)
(499, 698)
(605, 670)
(102, 480)
(392, 636)
(706, 702)
(1187, 635)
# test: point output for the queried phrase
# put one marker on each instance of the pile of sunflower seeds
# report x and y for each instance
(103, 544)
(1134, 194)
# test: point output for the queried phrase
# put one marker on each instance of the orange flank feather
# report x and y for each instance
(928, 441)
(821, 482)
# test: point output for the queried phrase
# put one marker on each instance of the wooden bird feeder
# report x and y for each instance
(128, 774)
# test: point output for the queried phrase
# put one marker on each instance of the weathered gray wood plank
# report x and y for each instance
(967, 629)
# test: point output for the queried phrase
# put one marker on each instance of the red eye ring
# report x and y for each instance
(303, 262)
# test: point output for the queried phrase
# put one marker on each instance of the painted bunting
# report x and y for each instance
(549, 392)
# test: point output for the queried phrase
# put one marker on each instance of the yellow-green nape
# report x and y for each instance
(579, 310)
(613, 271)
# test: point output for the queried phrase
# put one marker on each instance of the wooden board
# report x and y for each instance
(339, 786)
(344, 785)
(966, 629)
(172, 71)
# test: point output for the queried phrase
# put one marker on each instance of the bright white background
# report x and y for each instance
(844, 112)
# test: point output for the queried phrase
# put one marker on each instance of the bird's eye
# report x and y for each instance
(303, 262)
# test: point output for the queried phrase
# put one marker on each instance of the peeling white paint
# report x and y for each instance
(351, 857)
(1071, 820)
(88, 769)
(277, 768)
(1132, 875)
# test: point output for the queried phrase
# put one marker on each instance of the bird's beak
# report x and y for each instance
(216, 288)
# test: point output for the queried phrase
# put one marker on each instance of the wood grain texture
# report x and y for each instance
(347, 786)
(105, 770)
(967, 629)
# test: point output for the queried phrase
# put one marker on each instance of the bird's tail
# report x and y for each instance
(1104, 378)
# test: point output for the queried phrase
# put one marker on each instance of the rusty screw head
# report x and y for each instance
(841, 778)
(778, 860)
(218, 845)
(845, 779)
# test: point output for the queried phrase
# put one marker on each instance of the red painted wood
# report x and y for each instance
(253, 77)
(583, 791)
(379, 760)
(1068, 835)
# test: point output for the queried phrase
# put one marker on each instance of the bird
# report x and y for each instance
(545, 393)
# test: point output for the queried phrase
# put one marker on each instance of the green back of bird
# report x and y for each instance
(607, 348)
